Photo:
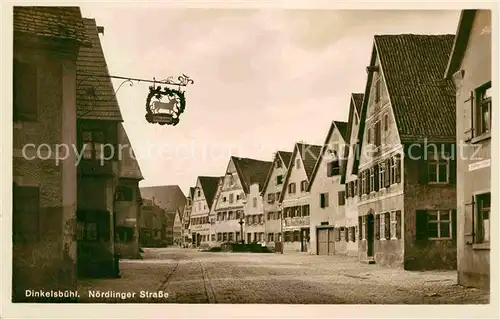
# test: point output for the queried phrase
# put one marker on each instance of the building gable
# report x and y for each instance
(353, 127)
(271, 182)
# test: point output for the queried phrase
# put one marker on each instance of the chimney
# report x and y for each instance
(100, 30)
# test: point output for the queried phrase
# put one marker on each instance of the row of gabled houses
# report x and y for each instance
(71, 216)
(395, 185)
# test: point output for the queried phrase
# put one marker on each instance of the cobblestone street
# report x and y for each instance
(190, 276)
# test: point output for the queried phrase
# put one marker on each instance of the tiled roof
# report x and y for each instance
(251, 171)
(129, 167)
(310, 155)
(169, 197)
(358, 101)
(62, 23)
(96, 98)
(413, 68)
(286, 157)
(342, 126)
(209, 185)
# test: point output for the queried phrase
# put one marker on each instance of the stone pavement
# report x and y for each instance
(189, 276)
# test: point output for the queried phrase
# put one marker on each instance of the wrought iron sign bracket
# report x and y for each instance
(163, 105)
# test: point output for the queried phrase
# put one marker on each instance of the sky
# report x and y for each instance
(264, 79)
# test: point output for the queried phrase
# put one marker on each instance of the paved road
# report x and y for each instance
(189, 276)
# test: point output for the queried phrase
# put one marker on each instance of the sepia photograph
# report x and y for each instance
(259, 155)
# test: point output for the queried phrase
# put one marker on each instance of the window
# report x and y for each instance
(93, 144)
(341, 195)
(438, 169)
(297, 163)
(270, 237)
(231, 198)
(224, 216)
(395, 169)
(439, 224)
(483, 109)
(254, 202)
(356, 187)
(218, 216)
(386, 122)
(230, 215)
(237, 197)
(254, 219)
(372, 180)
(224, 236)
(387, 225)
(249, 237)
(369, 136)
(238, 214)
(224, 199)
(381, 173)
(278, 194)
(25, 91)
(260, 219)
(199, 193)
(279, 215)
(270, 215)
(353, 234)
(270, 198)
(291, 188)
(230, 236)
(219, 236)
(436, 224)
(26, 209)
(323, 200)
(279, 179)
(333, 167)
(124, 193)
(305, 210)
(238, 235)
(483, 218)
(337, 234)
(296, 235)
(363, 183)
(303, 186)
(213, 237)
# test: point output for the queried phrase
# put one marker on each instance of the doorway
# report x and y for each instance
(370, 234)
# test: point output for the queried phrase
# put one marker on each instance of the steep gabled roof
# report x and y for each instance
(355, 105)
(129, 167)
(357, 99)
(96, 99)
(209, 186)
(461, 41)
(285, 158)
(309, 154)
(61, 23)
(335, 125)
(169, 197)
(342, 127)
(251, 171)
(423, 102)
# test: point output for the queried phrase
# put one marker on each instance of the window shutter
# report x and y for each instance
(347, 190)
(423, 171)
(367, 181)
(454, 225)
(387, 225)
(377, 226)
(421, 224)
(398, 224)
(468, 120)
(453, 171)
(346, 234)
(376, 177)
(387, 177)
(360, 227)
(469, 221)
(398, 168)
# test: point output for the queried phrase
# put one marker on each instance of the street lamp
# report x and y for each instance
(241, 222)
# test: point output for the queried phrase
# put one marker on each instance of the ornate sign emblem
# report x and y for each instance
(165, 105)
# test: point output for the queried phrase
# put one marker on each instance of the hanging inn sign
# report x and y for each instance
(164, 105)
